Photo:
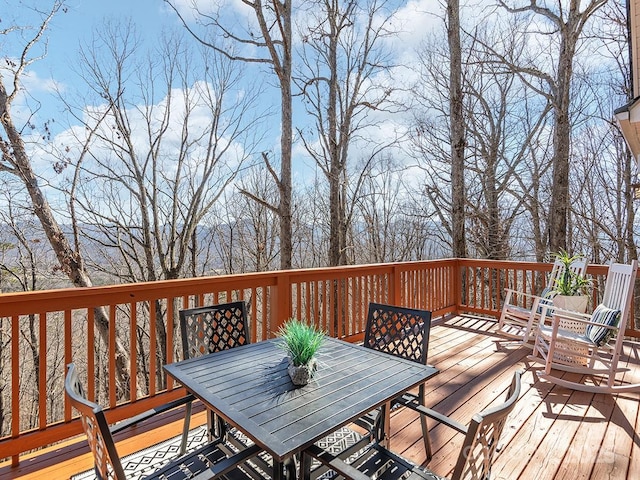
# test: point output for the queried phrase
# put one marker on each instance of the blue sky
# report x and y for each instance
(74, 28)
(71, 28)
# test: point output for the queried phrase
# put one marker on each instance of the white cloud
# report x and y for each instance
(35, 83)
(234, 11)
(412, 22)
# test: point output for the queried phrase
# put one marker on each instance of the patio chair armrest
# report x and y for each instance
(225, 466)
(335, 463)
(411, 401)
(371, 422)
(130, 422)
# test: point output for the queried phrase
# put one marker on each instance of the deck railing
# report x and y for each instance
(43, 331)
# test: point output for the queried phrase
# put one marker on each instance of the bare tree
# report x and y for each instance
(245, 232)
(505, 122)
(16, 161)
(341, 62)
(603, 208)
(168, 139)
(456, 123)
(391, 227)
(313, 216)
(566, 22)
(438, 136)
(165, 156)
(270, 35)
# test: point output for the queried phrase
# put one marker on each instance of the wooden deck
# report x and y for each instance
(553, 433)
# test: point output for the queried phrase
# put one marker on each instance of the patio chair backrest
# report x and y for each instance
(483, 434)
(213, 328)
(106, 460)
(399, 331)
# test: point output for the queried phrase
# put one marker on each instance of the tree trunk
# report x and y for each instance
(336, 213)
(559, 210)
(458, 239)
(70, 260)
(286, 139)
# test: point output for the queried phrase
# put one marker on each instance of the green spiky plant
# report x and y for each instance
(569, 283)
(300, 341)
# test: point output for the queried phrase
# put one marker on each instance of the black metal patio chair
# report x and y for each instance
(474, 460)
(211, 329)
(211, 460)
(403, 332)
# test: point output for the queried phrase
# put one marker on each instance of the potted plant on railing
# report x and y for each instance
(301, 342)
(571, 290)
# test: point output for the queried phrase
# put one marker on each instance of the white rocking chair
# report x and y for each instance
(589, 344)
(521, 311)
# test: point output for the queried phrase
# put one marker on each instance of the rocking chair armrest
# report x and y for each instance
(554, 315)
(537, 302)
(568, 314)
(130, 422)
(410, 401)
(584, 318)
(511, 291)
(550, 311)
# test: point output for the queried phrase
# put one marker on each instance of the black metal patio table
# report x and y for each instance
(251, 389)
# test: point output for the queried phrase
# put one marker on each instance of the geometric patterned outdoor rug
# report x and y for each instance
(142, 463)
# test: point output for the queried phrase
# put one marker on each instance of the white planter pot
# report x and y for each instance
(575, 303)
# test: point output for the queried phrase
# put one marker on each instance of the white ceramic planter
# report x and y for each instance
(574, 303)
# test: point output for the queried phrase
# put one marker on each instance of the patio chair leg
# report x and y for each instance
(424, 425)
(185, 428)
(425, 436)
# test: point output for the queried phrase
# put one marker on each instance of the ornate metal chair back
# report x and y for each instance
(213, 328)
(399, 331)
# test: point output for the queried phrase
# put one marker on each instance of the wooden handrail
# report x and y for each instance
(49, 329)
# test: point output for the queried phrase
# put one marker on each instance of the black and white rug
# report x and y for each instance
(144, 462)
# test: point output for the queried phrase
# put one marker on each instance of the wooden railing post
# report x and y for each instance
(281, 304)
(457, 279)
(395, 289)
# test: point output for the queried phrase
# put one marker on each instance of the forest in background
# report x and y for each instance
(493, 137)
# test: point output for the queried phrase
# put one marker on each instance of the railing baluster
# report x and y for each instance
(42, 380)
(15, 381)
(152, 348)
(133, 348)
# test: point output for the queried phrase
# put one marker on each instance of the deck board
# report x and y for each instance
(552, 433)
